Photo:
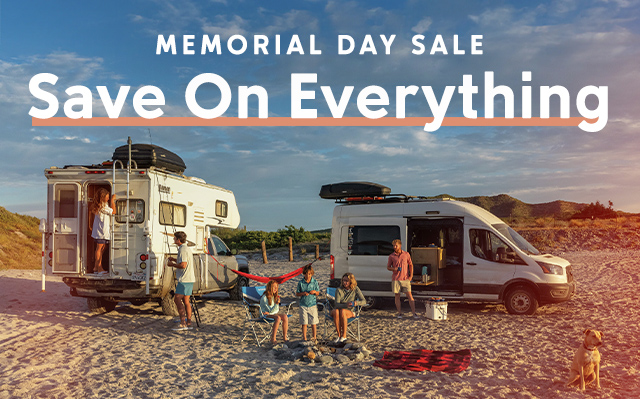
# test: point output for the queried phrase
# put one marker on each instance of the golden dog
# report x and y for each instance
(586, 362)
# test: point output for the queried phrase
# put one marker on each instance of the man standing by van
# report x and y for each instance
(186, 277)
(400, 264)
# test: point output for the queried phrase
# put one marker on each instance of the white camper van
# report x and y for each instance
(154, 199)
(465, 252)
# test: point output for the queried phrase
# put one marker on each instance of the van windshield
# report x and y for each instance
(516, 238)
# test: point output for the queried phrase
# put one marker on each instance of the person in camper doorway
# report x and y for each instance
(102, 208)
(308, 289)
(400, 264)
(186, 277)
(348, 296)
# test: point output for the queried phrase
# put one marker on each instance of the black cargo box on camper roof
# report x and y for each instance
(148, 155)
(353, 189)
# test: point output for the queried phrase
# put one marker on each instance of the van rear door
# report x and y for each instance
(365, 244)
(66, 228)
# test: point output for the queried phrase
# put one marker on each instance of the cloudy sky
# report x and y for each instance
(276, 172)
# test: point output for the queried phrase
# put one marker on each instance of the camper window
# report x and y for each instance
(221, 209)
(66, 203)
(136, 211)
(372, 240)
(173, 214)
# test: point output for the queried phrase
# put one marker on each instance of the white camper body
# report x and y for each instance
(466, 253)
(151, 205)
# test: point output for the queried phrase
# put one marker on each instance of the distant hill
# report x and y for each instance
(505, 206)
(20, 241)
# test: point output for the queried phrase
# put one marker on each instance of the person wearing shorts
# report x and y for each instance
(307, 290)
(400, 264)
(186, 277)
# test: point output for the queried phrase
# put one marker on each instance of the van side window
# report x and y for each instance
(173, 214)
(372, 240)
(136, 211)
(487, 245)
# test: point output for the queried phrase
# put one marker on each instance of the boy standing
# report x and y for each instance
(307, 290)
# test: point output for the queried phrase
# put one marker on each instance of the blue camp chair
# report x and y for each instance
(329, 325)
(255, 323)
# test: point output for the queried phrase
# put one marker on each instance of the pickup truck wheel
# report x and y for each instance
(521, 300)
(100, 305)
(235, 294)
(168, 305)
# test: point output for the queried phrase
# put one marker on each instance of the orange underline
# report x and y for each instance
(324, 121)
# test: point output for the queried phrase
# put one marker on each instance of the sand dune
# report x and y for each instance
(53, 347)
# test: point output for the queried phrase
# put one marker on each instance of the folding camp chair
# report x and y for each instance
(255, 323)
(329, 305)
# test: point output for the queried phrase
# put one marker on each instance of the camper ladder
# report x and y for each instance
(117, 239)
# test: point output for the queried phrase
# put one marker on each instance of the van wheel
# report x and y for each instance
(100, 305)
(372, 302)
(168, 305)
(235, 294)
(521, 300)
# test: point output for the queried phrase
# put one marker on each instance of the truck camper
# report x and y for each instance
(460, 251)
(154, 199)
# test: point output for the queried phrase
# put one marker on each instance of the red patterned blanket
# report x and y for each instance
(422, 359)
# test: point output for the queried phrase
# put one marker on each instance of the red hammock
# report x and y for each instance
(423, 359)
(278, 279)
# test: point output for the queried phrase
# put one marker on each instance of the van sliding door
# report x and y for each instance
(66, 227)
(366, 244)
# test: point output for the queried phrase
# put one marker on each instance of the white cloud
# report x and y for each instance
(425, 139)
(226, 27)
(564, 6)
(76, 138)
(423, 25)
(298, 21)
(622, 3)
(377, 149)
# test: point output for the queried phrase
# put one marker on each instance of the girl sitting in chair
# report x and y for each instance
(348, 296)
(270, 309)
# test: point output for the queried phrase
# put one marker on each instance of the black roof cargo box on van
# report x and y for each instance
(148, 155)
(353, 189)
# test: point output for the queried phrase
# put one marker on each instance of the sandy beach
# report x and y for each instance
(53, 347)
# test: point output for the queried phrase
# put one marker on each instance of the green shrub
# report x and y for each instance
(252, 240)
(596, 211)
